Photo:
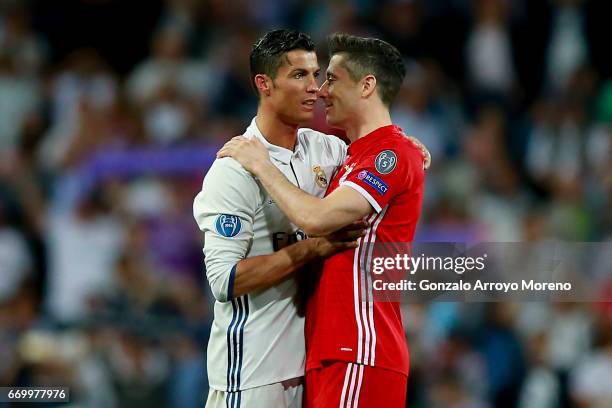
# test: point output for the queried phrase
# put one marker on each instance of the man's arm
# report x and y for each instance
(314, 215)
(264, 271)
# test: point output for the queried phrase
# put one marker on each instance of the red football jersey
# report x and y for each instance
(343, 321)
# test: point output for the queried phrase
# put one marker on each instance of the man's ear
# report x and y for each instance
(263, 84)
(368, 85)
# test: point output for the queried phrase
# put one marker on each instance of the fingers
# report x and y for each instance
(346, 236)
(423, 149)
(230, 147)
(360, 224)
(348, 245)
(331, 247)
(355, 225)
(349, 236)
(427, 161)
(224, 151)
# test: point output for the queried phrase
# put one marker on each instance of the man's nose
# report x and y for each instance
(313, 86)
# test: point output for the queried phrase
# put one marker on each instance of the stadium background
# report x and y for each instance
(111, 111)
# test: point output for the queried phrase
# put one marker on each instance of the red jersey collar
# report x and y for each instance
(365, 142)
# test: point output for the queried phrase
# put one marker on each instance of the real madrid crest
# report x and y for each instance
(320, 176)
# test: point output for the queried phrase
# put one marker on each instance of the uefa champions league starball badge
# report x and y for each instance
(385, 162)
(228, 225)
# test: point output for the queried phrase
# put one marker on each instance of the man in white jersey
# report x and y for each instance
(256, 347)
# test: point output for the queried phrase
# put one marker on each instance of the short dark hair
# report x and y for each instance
(365, 56)
(268, 52)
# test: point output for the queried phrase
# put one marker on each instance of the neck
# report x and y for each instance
(275, 130)
(367, 122)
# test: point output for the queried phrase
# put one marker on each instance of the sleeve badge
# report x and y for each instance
(228, 225)
(385, 162)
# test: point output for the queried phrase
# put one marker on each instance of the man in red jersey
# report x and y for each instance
(356, 347)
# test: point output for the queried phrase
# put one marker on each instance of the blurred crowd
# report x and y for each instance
(110, 114)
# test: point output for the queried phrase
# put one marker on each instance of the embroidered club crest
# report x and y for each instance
(320, 176)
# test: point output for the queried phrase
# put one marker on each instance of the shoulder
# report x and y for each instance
(228, 172)
(227, 166)
(227, 186)
(400, 147)
(397, 158)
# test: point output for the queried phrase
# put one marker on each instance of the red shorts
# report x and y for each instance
(342, 384)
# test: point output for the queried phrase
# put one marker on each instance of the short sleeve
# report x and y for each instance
(224, 210)
(384, 174)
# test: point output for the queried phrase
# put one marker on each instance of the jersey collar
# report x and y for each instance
(276, 152)
(372, 138)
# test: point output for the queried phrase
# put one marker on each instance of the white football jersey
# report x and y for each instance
(257, 339)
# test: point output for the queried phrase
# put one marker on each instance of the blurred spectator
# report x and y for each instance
(401, 23)
(541, 388)
(570, 336)
(188, 387)
(448, 393)
(541, 143)
(15, 259)
(414, 112)
(139, 370)
(174, 242)
(319, 18)
(167, 117)
(24, 47)
(268, 13)
(85, 88)
(236, 97)
(83, 247)
(503, 356)
(591, 379)
(489, 53)
(183, 14)
(458, 358)
(102, 285)
(170, 67)
(501, 202)
(19, 97)
(568, 48)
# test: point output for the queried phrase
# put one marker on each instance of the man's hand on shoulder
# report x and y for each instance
(423, 149)
(250, 153)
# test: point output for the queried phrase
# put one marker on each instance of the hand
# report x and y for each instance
(248, 152)
(340, 240)
(423, 149)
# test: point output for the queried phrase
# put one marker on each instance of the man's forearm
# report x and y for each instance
(264, 271)
(300, 207)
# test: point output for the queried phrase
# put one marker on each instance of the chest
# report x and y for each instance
(311, 173)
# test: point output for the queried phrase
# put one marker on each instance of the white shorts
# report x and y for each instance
(268, 396)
